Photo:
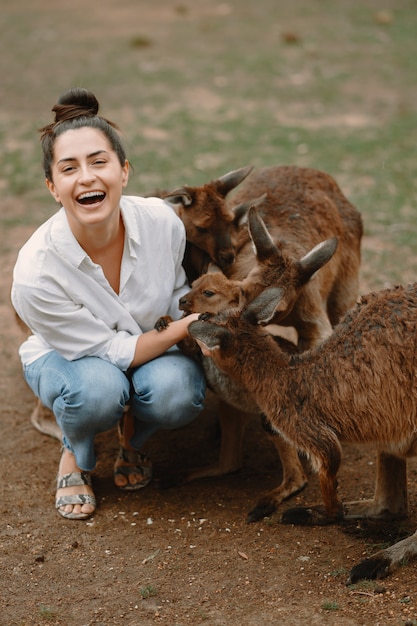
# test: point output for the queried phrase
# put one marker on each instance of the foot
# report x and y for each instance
(82, 491)
(309, 516)
(132, 469)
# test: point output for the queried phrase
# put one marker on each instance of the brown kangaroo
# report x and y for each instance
(358, 386)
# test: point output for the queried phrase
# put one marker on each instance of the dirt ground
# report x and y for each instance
(178, 556)
(183, 555)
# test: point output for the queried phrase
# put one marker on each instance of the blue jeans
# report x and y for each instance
(87, 396)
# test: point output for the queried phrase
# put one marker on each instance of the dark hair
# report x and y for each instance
(77, 108)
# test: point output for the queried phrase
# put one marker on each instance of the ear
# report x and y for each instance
(317, 257)
(208, 335)
(125, 173)
(178, 198)
(205, 350)
(261, 310)
(241, 210)
(264, 244)
(212, 268)
(229, 181)
(52, 189)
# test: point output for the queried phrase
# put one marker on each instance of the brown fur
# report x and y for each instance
(236, 407)
(358, 386)
(301, 207)
(211, 226)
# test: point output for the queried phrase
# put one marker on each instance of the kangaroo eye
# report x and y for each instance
(201, 230)
(208, 294)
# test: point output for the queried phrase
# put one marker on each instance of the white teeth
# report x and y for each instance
(90, 194)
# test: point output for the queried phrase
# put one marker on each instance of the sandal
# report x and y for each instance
(135, 466)
(75, 479)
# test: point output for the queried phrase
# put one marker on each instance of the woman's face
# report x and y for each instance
(88, 178)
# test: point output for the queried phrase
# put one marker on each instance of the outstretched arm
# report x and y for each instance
(153, 343)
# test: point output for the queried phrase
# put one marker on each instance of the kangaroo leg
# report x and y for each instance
(293, 481)
(390, 499)
(327, 458)
(385, 561)
(233, 425)
(44, 420)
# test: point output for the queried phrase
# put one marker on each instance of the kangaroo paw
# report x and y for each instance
(162, 323)
(373, 568)
(307, 516)
(270, 501)
(261, 510)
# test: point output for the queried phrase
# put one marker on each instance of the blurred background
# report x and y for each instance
(200, 88)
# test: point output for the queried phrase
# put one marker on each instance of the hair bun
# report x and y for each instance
(75, 102)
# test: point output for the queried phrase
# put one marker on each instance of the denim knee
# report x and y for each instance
(87, 396)
(169, 392)
(97, 405)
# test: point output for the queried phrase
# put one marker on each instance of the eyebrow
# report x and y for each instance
(89, 156)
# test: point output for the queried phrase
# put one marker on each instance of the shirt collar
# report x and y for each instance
(132, 233)
(67, 245)
(64, 241)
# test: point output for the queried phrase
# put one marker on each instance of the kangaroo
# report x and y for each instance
(358, 386)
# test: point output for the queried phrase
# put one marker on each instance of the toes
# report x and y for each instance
(135, 479)
(77, 509)
(120, 480)
(70, 509)
(132, 469)
(88, 509)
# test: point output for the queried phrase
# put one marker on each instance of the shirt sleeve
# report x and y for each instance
(71, 329)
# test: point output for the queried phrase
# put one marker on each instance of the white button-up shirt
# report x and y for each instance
(66, 301)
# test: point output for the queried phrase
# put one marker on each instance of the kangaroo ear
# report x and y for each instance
(317, 257)
(261, 310)
(241, 210)
(229, 181)
(212, 268)
(208, 335)
(179, 198)
(263, 243)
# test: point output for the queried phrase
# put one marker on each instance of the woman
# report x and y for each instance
(90, 284)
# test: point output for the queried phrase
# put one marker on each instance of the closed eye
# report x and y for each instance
(208, 294)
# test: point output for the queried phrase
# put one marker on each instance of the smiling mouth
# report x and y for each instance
(91, 197)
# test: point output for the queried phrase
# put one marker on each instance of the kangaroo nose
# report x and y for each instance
(183, 302)
(226, 258)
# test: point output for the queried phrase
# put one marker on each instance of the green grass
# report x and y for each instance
(148, 591)
(47, 613)
(204, 90)
(330, 605)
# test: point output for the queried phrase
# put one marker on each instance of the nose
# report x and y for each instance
(183, 303)
(226, 258)
(86, 174)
